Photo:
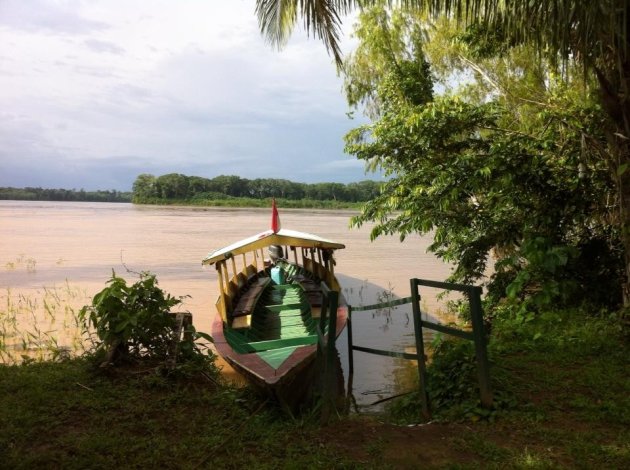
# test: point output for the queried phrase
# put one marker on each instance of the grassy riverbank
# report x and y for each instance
(565, 376)
(245, 202)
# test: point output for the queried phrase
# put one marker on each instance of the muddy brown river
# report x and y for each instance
(63, 247)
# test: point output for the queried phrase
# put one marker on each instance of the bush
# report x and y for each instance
(136, 322)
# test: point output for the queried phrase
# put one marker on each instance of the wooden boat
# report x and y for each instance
(268, 309)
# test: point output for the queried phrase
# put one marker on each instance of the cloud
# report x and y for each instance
(23, 139)
(129, 87)
(262, 84)
(97, 45)
(45, 16)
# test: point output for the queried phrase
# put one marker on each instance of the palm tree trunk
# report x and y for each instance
(618, 136)
(624, 213)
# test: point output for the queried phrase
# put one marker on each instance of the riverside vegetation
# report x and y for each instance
(46, 194)
(220, 191)
(561, 399)
(234, 191)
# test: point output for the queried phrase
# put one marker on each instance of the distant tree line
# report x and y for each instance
(46, 194)
(174, 186)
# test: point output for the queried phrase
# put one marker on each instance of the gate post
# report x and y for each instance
(483, 367)
(326, 351)
(422, 371)
(350, 348)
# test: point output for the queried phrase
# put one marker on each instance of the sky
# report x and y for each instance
(96, 92)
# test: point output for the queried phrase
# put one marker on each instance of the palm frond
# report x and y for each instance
(322, 18)
(277, 19)
(583, 29)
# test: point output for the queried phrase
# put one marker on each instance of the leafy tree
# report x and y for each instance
(144, 188)
(294, 190)
(230, 185)
(483, 179)
(593, 34)
(172, 186)
(197, 184)
(389, 43)
(272, 187)
(363, 190)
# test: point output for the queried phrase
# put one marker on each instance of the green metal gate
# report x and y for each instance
(473, 293)
(326, 340)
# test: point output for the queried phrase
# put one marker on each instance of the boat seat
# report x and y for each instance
(258, 346)
(243, 322)
(252, 274)
(315, 299)
(247, 302)
(313, 290)
(241, 281)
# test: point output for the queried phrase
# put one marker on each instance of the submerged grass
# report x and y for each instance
(43, 325)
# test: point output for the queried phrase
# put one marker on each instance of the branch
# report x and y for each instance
(480, 71)
(495, 84)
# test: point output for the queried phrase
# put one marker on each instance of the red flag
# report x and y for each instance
(275, 218)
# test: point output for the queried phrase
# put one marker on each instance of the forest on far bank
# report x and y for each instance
(177, 187)
(51, 194)
(181, 189)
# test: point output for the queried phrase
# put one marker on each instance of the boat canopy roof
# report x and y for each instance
(264, 239)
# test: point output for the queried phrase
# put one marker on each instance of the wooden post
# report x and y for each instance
(226, 279)
(181, 330)
(483, 367)
(319, 266)
(422, 372)
(234, 267)
(222, 289)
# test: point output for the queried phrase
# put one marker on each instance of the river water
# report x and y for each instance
(72, 248)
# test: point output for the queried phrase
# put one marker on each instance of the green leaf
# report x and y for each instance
(205, 336)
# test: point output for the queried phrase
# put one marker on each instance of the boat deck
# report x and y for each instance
(281, 319)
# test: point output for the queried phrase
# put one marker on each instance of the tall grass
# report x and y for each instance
(40, 326)
(22, 262)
